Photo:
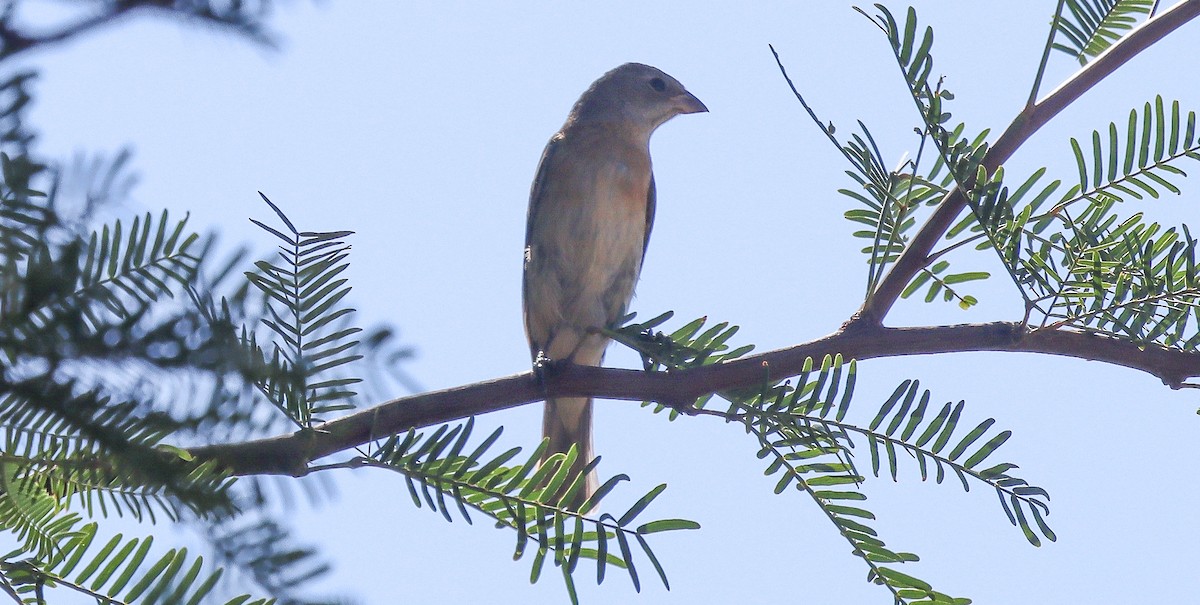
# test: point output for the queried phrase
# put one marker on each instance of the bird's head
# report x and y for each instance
(637, 94)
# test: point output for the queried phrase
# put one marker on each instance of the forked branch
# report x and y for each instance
(917, 254)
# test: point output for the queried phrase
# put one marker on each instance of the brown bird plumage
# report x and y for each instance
(590, 212)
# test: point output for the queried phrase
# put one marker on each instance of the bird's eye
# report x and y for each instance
(658, 84)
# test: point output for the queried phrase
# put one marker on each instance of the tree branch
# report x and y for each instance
(864, 337)
(291, 454)
(1027, 122)
(13, 41)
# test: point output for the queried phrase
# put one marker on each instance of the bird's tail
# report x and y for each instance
(567, 421)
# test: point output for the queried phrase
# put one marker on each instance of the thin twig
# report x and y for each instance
(1041, 70)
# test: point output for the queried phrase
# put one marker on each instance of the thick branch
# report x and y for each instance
(291, 454)
(1033, 117)
(863, 338)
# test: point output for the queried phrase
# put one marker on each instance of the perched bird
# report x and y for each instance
(590, 212)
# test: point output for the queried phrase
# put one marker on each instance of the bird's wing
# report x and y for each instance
(536, 193)
(651, 200)
(539, 184)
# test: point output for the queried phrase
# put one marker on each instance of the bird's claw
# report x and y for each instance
(541, 366)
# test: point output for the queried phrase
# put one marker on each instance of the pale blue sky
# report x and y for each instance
(419, 126)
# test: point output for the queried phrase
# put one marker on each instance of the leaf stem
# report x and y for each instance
(1041, 70)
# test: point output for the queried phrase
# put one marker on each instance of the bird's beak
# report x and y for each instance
(688, 103)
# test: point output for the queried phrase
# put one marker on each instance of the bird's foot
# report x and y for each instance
(541, 366)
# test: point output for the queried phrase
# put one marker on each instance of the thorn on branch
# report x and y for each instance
(1176, 383)
(862, 320)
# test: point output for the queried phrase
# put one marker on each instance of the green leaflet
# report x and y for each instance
(527, 498)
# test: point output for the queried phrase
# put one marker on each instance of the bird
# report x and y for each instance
(591, 208)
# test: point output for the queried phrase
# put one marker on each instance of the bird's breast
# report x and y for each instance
(612, 202)
(587, 235)
(591, 218)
